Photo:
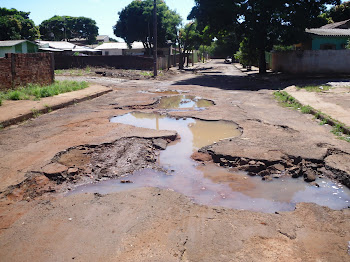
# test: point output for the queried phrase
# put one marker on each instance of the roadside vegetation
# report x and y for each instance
(338, 128)
(314, 88)
(35, 92)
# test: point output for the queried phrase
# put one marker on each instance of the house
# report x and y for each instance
(331, 36)
(121, 48)
(65, 48)
(102, 39)
(17, 46)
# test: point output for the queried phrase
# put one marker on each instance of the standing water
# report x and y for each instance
(212, 185)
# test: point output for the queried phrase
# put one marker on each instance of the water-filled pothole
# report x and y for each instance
(210, 184)
(184, 101)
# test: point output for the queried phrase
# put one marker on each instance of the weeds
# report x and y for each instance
(48, 107)
(339, 129)
(36, 112)
(35, 92)
(315, 88)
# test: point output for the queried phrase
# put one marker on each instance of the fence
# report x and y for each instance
(312, 62)
(22, 69)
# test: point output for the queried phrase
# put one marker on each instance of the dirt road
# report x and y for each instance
(42, 159)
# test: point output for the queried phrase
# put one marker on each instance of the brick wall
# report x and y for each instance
(119, 62)
(22, 69)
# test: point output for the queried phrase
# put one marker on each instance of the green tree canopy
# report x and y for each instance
(136, 23)
(340, 12)
(59, 28)
(264, 23)
(15, 25)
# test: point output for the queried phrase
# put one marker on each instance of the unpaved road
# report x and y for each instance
(151, 224)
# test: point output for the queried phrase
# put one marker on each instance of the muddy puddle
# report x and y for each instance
(209, 184)
(184, 102)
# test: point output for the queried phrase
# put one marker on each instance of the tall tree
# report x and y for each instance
(264, 23)
(340, 12)
(58, 28)
(15, 25)
(136, 24)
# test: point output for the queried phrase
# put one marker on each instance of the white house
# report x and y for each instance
(121, 48)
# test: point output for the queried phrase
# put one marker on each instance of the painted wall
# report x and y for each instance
(5, 49)
(22, 48)
(312, 62)
(338, 41)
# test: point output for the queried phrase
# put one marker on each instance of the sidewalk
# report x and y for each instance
(13, 112)
(335, 102)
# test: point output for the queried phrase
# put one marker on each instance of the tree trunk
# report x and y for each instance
(262, 61)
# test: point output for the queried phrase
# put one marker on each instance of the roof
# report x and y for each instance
(101, 37)
(119, 45)
(13, 42)
(65, 46)
(329, 32)
(339, 25)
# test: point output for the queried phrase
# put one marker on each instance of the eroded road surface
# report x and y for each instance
(205, 166)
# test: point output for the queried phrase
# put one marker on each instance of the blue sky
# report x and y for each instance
(104, 12)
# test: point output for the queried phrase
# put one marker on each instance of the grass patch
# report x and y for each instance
(74, 72)
(339, 129)
(35, 92)
(35, 112)
(314, 88)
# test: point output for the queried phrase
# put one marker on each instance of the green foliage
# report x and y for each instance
(247, 53)
(315, 88)
(136, 23)
(15, 25)
(348, 44)
(264, 23)
(340, 12)
(36, 92)
(283, 48)
(58, 28)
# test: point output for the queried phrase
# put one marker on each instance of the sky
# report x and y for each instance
(104, 12)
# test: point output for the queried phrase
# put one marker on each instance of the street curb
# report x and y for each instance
(322, 116)
(45, 110)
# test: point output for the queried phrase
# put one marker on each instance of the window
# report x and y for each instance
(328, 47)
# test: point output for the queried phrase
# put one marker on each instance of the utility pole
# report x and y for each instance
(155, 38)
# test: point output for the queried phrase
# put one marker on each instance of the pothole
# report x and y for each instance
(184, 102)
(209, 184)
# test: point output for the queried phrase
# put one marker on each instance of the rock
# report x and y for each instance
(125, 181)
(197, 156)
(252, 162)
(72, 171)
(309, 175)
(278, 167)
(314, 184)
(54, 170)
(160, 143)
(264, 173)
(295, 172)
(150, 158)
(267, 178)
(256, 168)
(243, 161)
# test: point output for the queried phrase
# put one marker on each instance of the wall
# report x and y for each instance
(6, 49)
(312, 62)
(120, 62)
(337, 41)
(22, 69)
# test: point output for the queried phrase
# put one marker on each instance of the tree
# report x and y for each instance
(264, 23)
(15, 25)
(247, 53)
(136, 23)
(340, 12)
(58, 28)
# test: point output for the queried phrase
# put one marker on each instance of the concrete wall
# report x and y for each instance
(6, 49)
(312, 62)
(22, 69)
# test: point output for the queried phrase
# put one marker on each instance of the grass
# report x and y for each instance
(35, 92)
(315, 88)
(338, 128)
(74, 72)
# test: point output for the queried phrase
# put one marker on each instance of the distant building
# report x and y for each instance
(121, 48)
(66, 48)
(329, 37)
(17, 46)
(102, 39)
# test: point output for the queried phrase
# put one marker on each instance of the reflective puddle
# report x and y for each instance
(183, 101)
(212, 185)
